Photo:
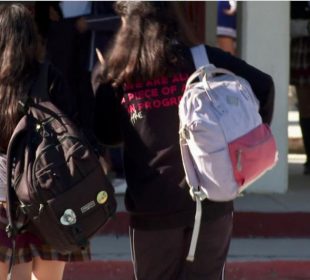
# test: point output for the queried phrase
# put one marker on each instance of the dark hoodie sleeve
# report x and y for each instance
(107, 116)
(66, 101)
(107, 110)
(261, 83)
(60, 94)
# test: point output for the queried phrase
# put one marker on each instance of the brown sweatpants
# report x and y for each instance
(161, 254)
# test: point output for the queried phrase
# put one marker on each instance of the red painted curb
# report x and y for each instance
(270, 270)
(246, 224)
(122, 270)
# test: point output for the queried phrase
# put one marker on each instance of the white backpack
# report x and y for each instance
(224, 144)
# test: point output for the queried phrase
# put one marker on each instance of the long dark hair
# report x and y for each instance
(18, 51)
(145, 45)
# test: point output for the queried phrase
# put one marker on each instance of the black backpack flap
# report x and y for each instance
(75, 213)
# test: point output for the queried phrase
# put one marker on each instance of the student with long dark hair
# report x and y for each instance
(19, 67)
(137, 89)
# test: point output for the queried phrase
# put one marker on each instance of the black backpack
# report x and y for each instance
(54, 175)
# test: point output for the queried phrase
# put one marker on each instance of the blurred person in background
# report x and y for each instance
(226, 30)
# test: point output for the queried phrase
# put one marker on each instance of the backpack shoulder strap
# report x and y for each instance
(200, 56)
(38, 92)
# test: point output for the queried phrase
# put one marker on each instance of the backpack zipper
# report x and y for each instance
(239, 157)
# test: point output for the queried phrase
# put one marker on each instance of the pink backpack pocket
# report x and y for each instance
(252, 155)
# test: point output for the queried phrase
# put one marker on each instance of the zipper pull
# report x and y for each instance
(239, 164)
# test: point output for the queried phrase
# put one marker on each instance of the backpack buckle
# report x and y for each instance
(197, 194)
(184, 133)
(11, 231)
(24, 104)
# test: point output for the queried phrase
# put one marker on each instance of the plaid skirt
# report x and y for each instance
(300, 61)
(28, 246)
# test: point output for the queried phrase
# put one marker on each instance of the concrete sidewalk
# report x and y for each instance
(113, 247)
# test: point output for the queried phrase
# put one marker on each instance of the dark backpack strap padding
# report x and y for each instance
(39, 92)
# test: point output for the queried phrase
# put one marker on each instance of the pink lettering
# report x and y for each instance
(181, 77)
(165, 91)
(130, 96)
(131, 108)
(176, 78)
(148, 93)
(166, 102)
(173, 101)
(156, 104)
(173, 89)
(140, 106)
(147, 105)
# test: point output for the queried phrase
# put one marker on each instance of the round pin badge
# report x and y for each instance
(102, 197)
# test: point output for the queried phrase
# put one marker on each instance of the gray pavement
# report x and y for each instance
(110, 247)
(253, 249)
(117, 248)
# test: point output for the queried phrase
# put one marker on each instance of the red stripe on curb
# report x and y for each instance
(122, 270)
(270, 270)
(246, 224)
